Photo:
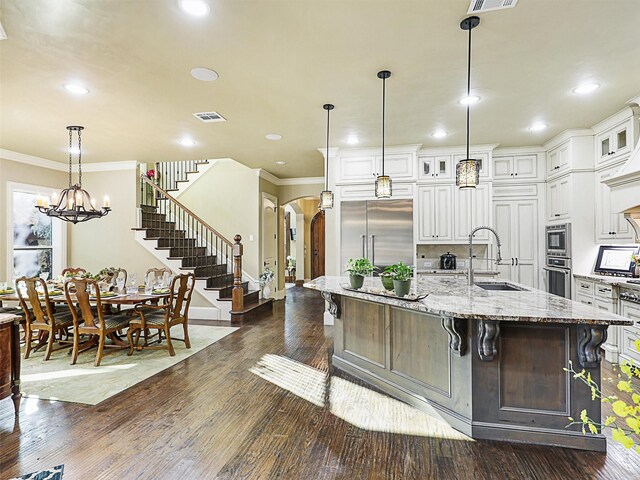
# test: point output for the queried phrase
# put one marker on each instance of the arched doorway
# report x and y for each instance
(317, 245)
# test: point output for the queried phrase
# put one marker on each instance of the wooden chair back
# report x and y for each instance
(81, 310)
(181, 290)
(158, 273)
(73, 271)
(40, 306)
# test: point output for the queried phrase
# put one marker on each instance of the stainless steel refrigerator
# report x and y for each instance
(380, 230)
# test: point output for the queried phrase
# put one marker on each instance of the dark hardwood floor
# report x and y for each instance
(216, 416)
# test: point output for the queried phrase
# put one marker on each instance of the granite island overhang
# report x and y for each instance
(490, 362)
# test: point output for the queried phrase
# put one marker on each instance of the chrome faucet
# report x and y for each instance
(498, 258)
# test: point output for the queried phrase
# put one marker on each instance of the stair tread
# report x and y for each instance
(246, 294)
(253, 305)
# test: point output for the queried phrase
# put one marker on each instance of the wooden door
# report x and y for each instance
(317, 245)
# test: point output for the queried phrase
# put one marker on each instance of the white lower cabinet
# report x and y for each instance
(629, 334)
(517, 226)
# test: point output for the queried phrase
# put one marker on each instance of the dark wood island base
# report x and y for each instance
(493, 380)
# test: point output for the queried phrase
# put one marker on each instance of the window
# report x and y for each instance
(37, 240)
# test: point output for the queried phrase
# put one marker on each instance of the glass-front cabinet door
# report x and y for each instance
(435, 167)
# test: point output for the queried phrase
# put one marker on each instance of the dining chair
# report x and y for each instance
(163, 317)
(158, 274)
(73, 271)
(92, 321)
(40, 315)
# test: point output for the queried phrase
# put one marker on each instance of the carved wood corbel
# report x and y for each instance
(334, 303)
(457, 330)
(488, 332)
(590, 338)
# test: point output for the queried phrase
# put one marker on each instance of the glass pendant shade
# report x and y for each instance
(383, 186)
(468, 173)
(326, 199)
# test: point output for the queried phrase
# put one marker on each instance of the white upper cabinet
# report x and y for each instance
(559, 199)
(397, 166)
(483, 158)
(558, 159)
(611, 227)
(356, 169)
(515, 167)
(471, 210)
(613, 143)
(435, 213)
(435, 167)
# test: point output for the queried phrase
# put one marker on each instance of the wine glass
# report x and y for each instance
(148, 286)
(44, 276)
(120, 284)
(134, 278)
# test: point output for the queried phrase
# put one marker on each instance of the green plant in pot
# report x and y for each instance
(387, 277)
(402, 275)
(358, 269)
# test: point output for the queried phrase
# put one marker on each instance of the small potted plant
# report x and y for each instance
(265, 279)
(402, 275)
(387, 277)
(636, 261)
(358, 269)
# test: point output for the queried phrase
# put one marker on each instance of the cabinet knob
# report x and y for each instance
(557, 215)
(512, 174)
(516, 174)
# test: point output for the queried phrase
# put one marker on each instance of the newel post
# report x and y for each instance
(237, 294)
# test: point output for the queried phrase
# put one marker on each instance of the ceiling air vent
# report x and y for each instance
(487, 5)
(210, 117)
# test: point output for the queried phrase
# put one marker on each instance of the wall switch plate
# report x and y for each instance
(251, 238)
(427, 263)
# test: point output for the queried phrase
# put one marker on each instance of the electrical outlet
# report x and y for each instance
(427, 263)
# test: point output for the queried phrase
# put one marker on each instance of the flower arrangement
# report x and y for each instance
(266, 277)
(151, 174)
(625, 426)
(635, 259)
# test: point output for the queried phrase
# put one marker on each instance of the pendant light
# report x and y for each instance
(73, 204)
(326, 196)
(468, 170)
(383, 182)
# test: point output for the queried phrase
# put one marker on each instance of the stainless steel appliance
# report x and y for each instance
(448, 261)
(558, 278)
(558, 240)
(380, 230)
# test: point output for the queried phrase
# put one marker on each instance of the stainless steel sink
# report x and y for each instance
(500, 286)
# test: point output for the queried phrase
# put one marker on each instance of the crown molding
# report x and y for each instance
(64, 167)
(270, 177)
(566, 135)
(32, 160)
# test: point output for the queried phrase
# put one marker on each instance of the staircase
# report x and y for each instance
(184, 242)
(175, 177)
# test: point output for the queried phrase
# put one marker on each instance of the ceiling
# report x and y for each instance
(279, 61)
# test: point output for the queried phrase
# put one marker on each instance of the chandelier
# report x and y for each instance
(73, 204)
(383, 182)
(326, 196)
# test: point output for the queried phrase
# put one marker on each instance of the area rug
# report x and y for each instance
(54, 473)
(56, 379)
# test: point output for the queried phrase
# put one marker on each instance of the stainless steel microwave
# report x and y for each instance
(558, 240)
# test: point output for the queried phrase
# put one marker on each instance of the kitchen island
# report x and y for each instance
(489, 362)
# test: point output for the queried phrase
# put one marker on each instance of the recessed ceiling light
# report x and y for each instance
(586, 88)
(471, 99)
(536, 127)
(352, 140)
(281, 162)
(204, 74)
(439, 134)
(76, 89)
(273, 136)
(187, 142)
(197, 8)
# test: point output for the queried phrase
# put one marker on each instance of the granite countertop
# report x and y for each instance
(453, 297)
(6, 318)
(457, 271)
(610, 280)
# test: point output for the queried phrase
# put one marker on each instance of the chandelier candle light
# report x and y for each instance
(383, 182)
(326, 196)
(468, 170)
(73, 204)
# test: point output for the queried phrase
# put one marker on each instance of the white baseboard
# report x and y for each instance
(328, 318)
(204, 313)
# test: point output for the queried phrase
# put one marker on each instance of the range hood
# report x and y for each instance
(633, 217)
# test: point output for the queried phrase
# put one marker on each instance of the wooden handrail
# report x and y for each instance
(196, 217)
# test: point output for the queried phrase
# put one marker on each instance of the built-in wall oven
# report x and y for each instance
(558, 276)
(558, 240)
